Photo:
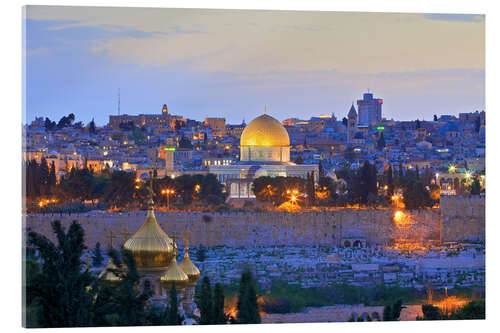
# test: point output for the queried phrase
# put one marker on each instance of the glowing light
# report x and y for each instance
(451, 168)
(400, 217)
(468, 174)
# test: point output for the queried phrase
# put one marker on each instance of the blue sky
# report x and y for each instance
(230, 63)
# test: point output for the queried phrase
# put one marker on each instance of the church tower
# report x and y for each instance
(352, 123)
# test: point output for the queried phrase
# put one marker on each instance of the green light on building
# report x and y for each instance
(380, 128)
(169, 148)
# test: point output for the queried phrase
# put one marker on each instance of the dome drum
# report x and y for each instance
(265, 139)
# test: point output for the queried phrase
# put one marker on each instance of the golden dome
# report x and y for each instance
(150, 245)
(174, 274)
(189, 268)
(264, 131)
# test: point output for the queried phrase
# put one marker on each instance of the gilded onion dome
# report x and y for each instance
(264, 131)
(108, 273)
(150, 245)
(189, 268)
(174, 274)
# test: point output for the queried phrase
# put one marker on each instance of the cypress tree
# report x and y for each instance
(52, 177)
(173, 317)
(44, 176)
(205, 303)
(92, 126)
(390, 181)
(97, 255)
(219, 315)
(248, 312)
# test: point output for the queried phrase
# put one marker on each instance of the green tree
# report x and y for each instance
(97, 257)
(122, 304)
(219, 316)
(430, 312)
(473, 310)
(44, 178)
(92, 128)
(392, 312)
(381, 142)
(247, 307)
(416, 196)
(61, 287)
(173, 317)
(205, 303)
(310, 189)
(475, 186)
(390, 181)
(185, 185)
(52, 178)
(120, 190)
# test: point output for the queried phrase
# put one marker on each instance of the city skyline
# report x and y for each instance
(207, 63)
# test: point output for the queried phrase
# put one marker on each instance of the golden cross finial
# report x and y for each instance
(185, 235)
(110, 238)
(125, 234)
(151, 185)
(265, 111)
(174, 243)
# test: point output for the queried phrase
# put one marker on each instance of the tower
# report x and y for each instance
(352, 123)
(369, 110)
(164, 111)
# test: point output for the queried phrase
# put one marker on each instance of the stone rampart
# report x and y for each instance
(463, 218)
(250, 228)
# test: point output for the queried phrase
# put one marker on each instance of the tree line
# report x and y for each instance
(363, 186)
(119, 189)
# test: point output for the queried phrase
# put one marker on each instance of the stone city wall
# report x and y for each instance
(463, 217)
(251, 228)
(459, 218)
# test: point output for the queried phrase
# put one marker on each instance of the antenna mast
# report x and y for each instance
(118, 100)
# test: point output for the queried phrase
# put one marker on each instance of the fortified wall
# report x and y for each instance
(249, 228)
(462, 218)
(459, 218)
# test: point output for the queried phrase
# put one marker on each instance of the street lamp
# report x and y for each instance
(168, 192)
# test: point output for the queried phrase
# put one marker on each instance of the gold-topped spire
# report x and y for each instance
(150, 245)
(174, 273)
(265, 111)
(186, 264)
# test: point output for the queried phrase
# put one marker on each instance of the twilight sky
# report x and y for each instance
(230, 63)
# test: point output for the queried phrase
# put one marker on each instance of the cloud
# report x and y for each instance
(456, 17)
(262, 41)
